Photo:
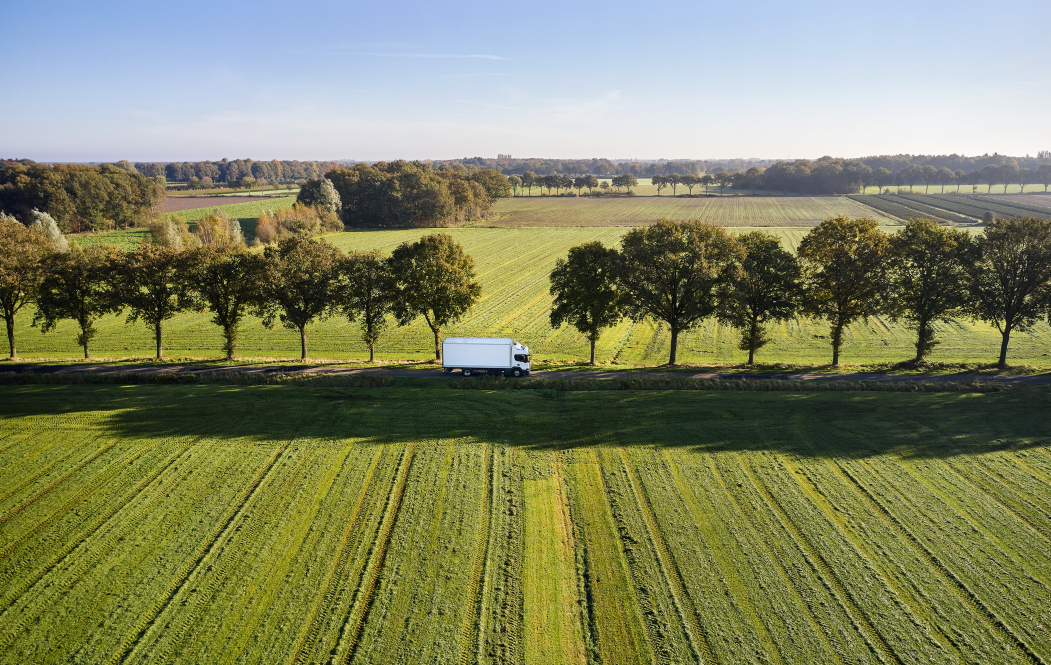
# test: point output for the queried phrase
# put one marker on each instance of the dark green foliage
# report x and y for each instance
(763, 286)
(1010, 280)
(928, 277)
(230, 281)
(406, 193)
(844, 273)
(303, 283)
(435, 279)
(153, 283)
(367, 294)
(320, 193)
(80, 197)
(585, 290)
(76, 286)
(672, 270)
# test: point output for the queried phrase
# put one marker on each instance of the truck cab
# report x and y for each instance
(520, 358)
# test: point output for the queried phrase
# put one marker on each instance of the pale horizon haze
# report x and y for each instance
(352, 80)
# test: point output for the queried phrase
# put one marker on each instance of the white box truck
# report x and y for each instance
(483, 355)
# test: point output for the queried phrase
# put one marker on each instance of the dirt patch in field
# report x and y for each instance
(175, 204)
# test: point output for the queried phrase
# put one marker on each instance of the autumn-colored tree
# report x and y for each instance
(671, 271)
(23, 252)
(844, 273)
(435, 280)
(586, 291)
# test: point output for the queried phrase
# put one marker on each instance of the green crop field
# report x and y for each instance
(513, 266)
(226, 524)
(526, 211)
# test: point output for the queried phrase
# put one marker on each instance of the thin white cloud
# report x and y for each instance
(478, 56)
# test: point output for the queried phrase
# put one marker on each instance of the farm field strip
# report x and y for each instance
(965, 578)
(524, 211)
(447, 526)
(1024, 207)
(973, 207)
(1040, 203)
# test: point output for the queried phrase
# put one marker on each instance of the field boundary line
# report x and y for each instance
(962, 590)
(58, 481)
(819, 627)
(471, 634)
(691, 623)
(84, 535)
(327, 597)
(129, 644)
(817, 562)
(365, 594)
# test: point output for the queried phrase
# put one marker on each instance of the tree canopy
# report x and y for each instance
(586, 291)
(303, 283)
(76, 286)
(23, 252)
(435, 279)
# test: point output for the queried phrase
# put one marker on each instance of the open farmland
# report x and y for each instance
(168, 524)
(526, 211)
(179, 203)
(513, 266)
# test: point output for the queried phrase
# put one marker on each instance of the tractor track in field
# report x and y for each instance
(80, 368)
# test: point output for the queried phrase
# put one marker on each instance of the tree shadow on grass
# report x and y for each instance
(815, 424)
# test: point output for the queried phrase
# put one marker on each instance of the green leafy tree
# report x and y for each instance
(303, 283)
(229, 280)
(844, 273)
(659, 181)
(321, 193)
(496, 184)
(586, 291)
(591, 182)
(763, 286)
(881, 177)
(368, 294)
(723, 179)
(23, 252)
(928, 277)
(671, 272)
(435, 280)
(76, 286)
(1010, 280)
(152, 282)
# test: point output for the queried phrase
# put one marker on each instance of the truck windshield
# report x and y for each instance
(522, 357)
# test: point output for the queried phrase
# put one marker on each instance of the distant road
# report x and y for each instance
(84, 368)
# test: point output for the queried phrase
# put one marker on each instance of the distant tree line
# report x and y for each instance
(295, 281)
(79, 197)
(209, 173)
(681, 273)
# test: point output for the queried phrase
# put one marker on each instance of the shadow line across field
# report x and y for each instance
(809, 424)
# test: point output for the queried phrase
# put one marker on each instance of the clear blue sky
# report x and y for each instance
(147, 81)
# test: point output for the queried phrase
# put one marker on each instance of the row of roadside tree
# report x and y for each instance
(298, 280)
(680, 273)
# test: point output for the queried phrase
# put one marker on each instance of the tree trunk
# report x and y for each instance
(11, 335)
(437, 345)
(923, 339)
(303, 342)
(87, 356)
(372, 353)
(674, 345)
(751, 355)
(837, 341)
(228, 346)
(1003, 347)
(593, 339)
(157, 336)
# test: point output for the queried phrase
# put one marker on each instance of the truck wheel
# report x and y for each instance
(467, 372)
(516, 372)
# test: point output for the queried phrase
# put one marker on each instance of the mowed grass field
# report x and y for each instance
(513, 266)
(224, 524)
(527, 211)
